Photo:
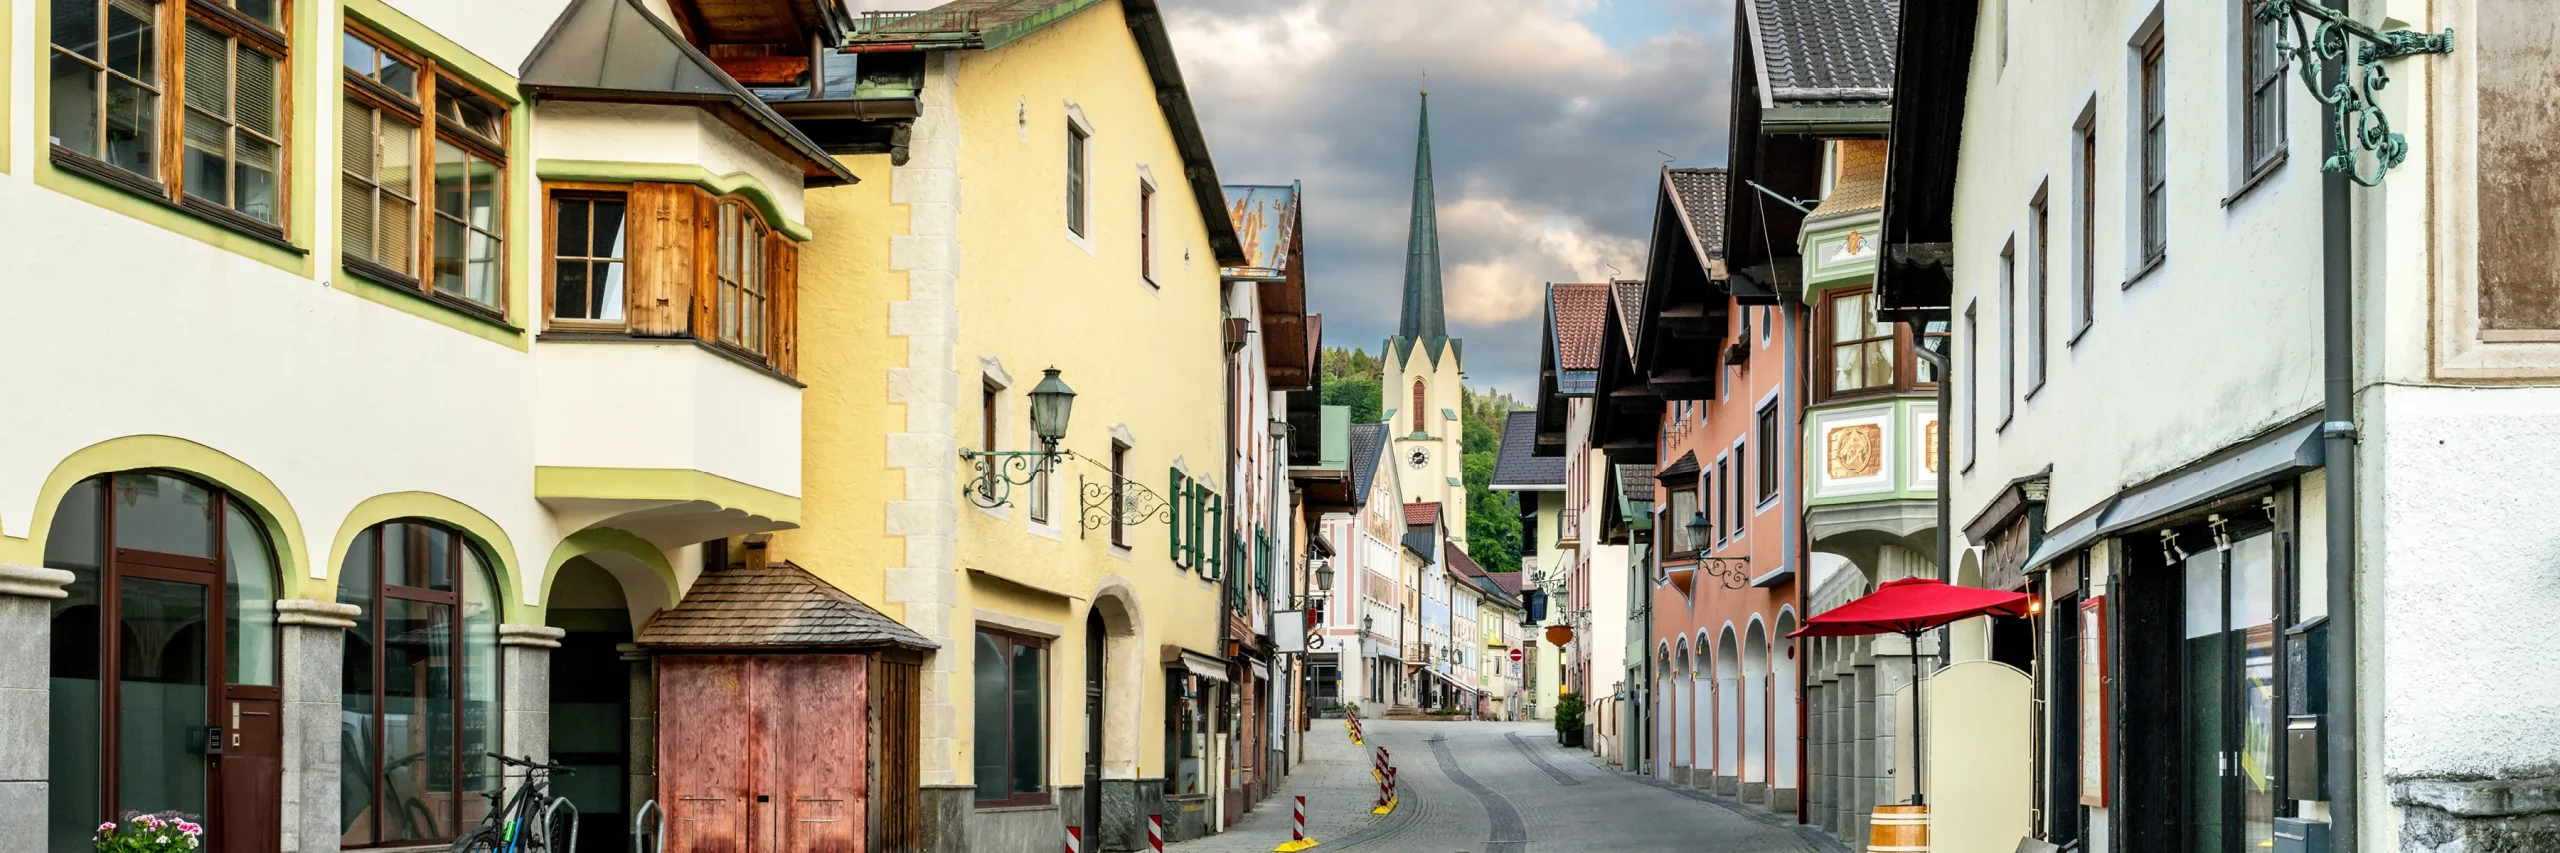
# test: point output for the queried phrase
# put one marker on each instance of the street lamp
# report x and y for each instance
(1324, 575)
(998, 471)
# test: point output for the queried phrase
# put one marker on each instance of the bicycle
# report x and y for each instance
(505, 829)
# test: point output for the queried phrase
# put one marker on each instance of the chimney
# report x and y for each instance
(757, 550)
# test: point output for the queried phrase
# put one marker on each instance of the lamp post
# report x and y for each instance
(998, 471)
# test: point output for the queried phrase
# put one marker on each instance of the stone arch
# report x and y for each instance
(1662, 711)
(141, 452)
(1124, 672)
(647, 579)
(1729, 701)
(473, 524)
(1755, 703)
(1782, 712)
(1702, 696)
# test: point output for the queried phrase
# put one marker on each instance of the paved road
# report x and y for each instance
(1490, 788)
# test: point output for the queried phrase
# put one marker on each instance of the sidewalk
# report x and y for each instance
(1339, 790)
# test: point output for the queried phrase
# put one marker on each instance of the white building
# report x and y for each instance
(2145, 261)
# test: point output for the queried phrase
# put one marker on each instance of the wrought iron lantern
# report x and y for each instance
(1051, 402)
(998, 471)
(1697, 526)
(1324, 575)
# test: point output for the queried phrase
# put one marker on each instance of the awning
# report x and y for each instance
(2283, 453)
(1199, 664)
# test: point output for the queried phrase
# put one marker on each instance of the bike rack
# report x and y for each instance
(655, 834)
(558, 803)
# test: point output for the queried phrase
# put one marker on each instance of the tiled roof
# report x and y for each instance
(1828, 52)
(1459, 561)
(1517, 463)
(1421, 514)
(1367, 441)
(1630, 306)
(778, 606)
(1510, 582)
(1701, 193)
(1636, 482)
(1494, 593)
(1860, 185)
(1578, 310)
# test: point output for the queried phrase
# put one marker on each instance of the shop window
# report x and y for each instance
(419, 685)
(1011, 724)
(1187, 698)
(205, 131)
(165, 619)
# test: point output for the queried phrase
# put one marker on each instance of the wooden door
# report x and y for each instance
(764, 753)
(702, 752)
(249, 777)
(813, 728)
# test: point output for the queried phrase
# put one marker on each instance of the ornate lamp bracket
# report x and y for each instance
(2352, 99)
(996, 472)
(1140, 504)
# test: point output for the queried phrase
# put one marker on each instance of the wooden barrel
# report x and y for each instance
(1898, 829)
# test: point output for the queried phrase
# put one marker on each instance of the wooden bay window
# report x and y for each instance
(423, 177)
(1863, 356)
(184, 101)
(671, 260)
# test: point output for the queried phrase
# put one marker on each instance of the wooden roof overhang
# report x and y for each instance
(1762, 264)
(1679, 342)
(1628, 412)
(774, 608)
(1915, 280)
(1550, 401)
(734, 29)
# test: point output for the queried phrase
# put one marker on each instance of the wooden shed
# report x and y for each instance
(787, 716)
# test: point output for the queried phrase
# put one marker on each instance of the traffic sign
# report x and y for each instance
(1516, 655)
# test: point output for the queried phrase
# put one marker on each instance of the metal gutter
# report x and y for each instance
(1826, 121)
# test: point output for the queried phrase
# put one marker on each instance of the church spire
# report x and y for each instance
(1424, 322)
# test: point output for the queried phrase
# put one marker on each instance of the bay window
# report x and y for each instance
(741, 276)
(1684, 540)
(670, 260)
(395, 150)
(184, 101)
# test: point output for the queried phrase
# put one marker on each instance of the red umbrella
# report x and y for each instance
(1909, 607)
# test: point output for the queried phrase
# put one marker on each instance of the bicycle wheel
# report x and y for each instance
(482, 840)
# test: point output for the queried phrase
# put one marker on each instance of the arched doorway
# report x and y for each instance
(164, 689)
(1662, 716)
(1728, 708)
(1782, 714)
(591, 700)
(1755, 711)
(1702, 725)
(1683, 749)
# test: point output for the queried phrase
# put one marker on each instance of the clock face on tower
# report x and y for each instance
(1421, 456)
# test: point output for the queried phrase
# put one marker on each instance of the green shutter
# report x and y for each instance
(1176, 493)
(1216, 521)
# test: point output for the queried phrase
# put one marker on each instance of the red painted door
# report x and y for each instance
(764, 753)
(702, 752)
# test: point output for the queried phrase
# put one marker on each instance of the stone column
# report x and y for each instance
(643, 757)
(1860, 799)
(26, 700)
(1815, 764)
(314, 637)
(525, 698)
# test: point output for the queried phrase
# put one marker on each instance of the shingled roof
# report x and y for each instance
(1421, 514)
(1459, 561)
(1630, 306)
(1517, 465)
(1635, 482)
(1827, 52)
(778, 606)
(1701, 194)
(1860, 188)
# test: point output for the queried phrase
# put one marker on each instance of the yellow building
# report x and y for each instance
(1051, 205)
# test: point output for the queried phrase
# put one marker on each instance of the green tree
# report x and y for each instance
(1351, 379)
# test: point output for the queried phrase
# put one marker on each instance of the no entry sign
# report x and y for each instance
(1517, 655)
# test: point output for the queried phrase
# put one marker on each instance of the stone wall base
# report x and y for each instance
(2486, 816)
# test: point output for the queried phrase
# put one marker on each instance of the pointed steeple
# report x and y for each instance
(1423, 322)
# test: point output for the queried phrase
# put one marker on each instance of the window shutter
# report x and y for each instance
(662, 225)
(704, 274)
(1217, 533)
(782, 293)
(1180, 493)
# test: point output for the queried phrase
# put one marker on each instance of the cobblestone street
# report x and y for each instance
(1490, 788)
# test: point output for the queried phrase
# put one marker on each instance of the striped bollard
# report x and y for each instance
(1298, 839)
(1155, 833)
(1075, 839)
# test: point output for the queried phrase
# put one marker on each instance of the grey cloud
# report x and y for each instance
(1535, 123)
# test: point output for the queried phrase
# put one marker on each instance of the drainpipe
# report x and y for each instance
(2338, 433)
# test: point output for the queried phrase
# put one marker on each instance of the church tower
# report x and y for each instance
(1424, 369)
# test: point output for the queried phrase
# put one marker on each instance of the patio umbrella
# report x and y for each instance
(1909, 607)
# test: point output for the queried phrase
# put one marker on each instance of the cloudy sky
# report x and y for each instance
(1546, 120)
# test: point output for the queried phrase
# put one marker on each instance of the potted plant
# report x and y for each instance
(158, 832)
(1569, 719)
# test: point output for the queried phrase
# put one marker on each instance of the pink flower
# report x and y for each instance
(109, 826)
